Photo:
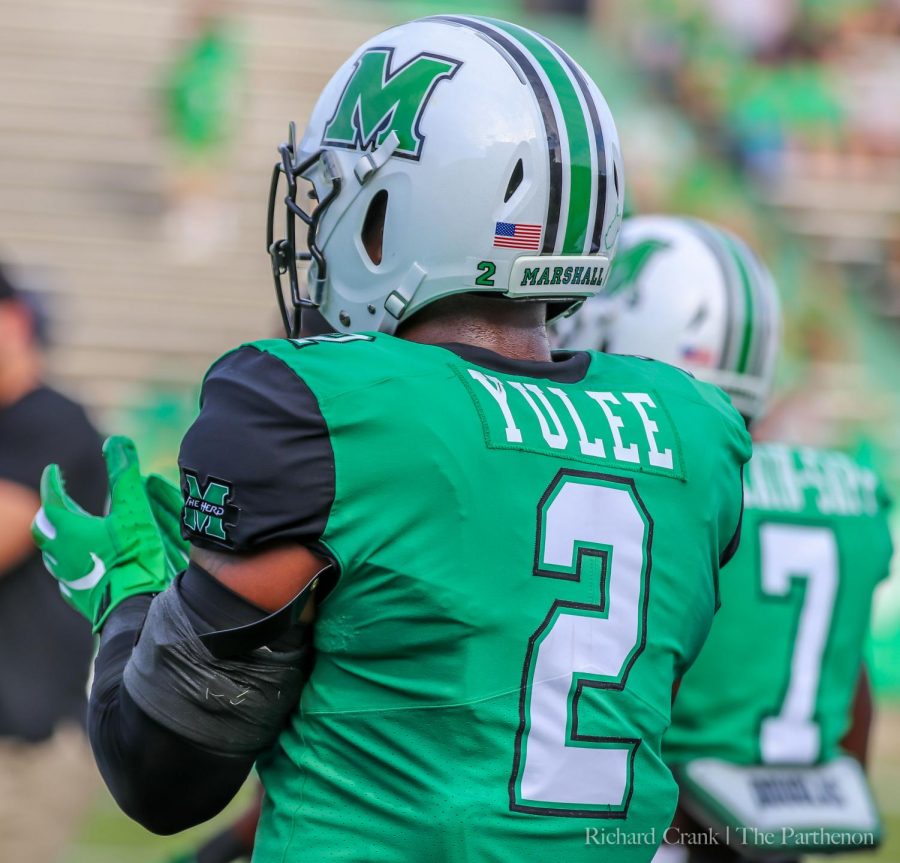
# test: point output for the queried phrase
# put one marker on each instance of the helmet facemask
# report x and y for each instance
(323, 184)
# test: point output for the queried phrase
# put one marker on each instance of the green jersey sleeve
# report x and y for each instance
(738, 448)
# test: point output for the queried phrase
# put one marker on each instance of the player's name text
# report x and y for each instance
(624, 427)
(784, 478)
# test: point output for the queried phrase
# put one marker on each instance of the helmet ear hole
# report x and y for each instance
(699, 317)
(373, 227)
(515, 180)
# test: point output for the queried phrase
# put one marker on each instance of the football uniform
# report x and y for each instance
(775, 681)
(527, 556)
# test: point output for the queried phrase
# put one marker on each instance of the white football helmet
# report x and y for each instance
(448, 155)
(692, 295)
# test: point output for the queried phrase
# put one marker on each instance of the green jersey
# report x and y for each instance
(775, 681)
(526, 558)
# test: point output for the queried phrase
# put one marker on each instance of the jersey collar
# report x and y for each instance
(566, 367)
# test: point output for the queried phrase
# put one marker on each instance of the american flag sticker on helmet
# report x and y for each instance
(509, 235)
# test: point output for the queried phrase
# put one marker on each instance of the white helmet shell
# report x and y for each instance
(695, 296)
(499, 159)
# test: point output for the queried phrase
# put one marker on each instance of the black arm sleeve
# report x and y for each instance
(162, 781)
(257, 466)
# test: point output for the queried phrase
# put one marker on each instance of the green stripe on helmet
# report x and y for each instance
(749, 308)
(580, 165)
(765, 325)
(517, 57)
(711, 238)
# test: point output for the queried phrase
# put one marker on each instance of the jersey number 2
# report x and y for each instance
(595, 528)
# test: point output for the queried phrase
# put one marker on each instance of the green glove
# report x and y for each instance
(101, 561)
(166, 502)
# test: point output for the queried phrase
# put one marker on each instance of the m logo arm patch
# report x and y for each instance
(207, 511)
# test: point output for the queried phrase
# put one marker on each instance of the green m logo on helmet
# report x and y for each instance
(377, 101)
(206, 509)
(628, 263)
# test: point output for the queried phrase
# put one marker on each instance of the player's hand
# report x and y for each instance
(166, 503)
(101, 561)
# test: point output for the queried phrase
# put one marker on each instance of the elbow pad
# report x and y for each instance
(233, 706)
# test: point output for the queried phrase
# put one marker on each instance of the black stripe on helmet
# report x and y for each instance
(551, 125)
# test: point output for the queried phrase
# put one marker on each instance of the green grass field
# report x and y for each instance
(109, 837)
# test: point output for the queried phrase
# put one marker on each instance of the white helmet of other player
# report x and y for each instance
(695, 296)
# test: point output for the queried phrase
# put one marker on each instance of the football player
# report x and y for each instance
(770, 724)
(503, 557)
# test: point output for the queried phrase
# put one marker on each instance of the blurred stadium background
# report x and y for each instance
(136, 142)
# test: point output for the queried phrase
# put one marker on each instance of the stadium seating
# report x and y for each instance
(83, 168)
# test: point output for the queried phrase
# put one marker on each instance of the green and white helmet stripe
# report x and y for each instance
(749, 313)
(574, 141)
(760, 325)
(576, 151)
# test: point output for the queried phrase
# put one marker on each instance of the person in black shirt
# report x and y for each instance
(46, 774)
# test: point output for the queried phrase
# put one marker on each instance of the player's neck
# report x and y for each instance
(512, 329)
